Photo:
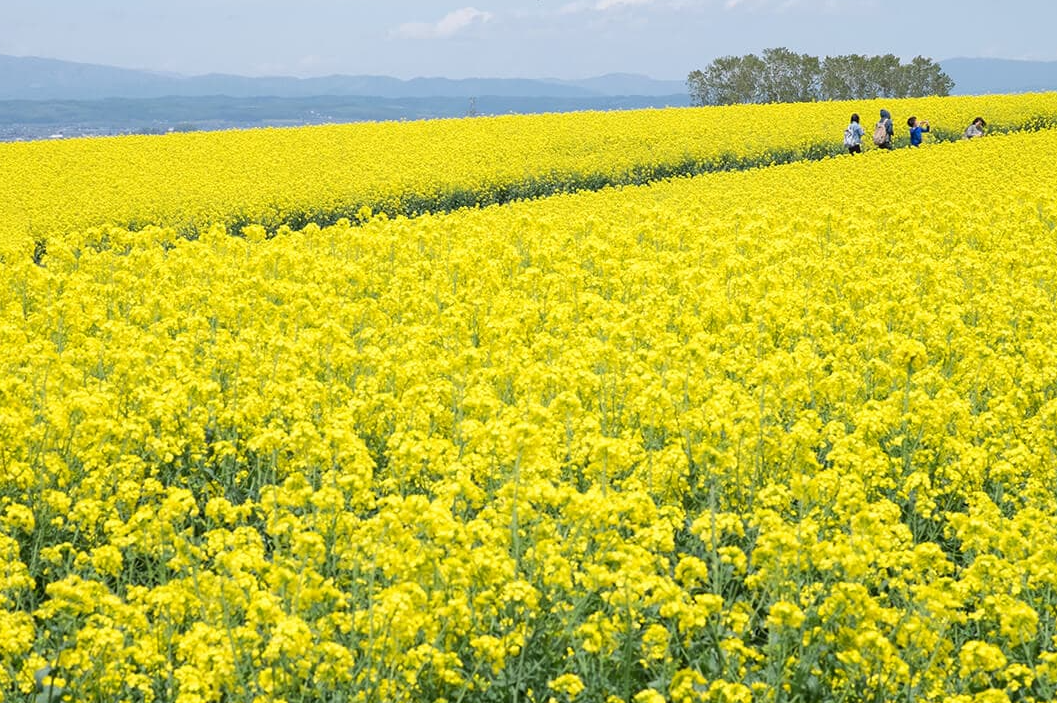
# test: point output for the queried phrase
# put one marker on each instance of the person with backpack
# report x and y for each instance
(884, 130)
(976, 129)
(916, 130)
(853, 135)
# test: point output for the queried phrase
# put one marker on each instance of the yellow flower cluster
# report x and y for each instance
(295, 176)
(784, 434)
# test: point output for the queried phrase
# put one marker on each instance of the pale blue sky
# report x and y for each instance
(508, 38)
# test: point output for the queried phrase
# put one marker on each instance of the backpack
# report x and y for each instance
(880, 133)
(849, 137)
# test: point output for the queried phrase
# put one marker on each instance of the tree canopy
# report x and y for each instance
(781, 75)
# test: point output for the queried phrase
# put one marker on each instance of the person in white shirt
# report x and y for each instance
(976, 129)
(853, 135)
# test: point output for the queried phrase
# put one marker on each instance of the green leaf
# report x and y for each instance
(50, 694)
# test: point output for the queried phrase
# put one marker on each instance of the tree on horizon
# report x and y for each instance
(782, 75)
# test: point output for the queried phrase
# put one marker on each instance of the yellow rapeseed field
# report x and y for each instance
(295, 176)
(780, 435)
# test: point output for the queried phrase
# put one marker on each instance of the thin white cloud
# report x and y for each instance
(827, 6)
(448, 25)
(573, 8)
(603, 5)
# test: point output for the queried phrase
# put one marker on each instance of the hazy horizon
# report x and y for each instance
(438, 76)
(567, 39)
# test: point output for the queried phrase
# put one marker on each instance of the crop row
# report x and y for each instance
(292, 177)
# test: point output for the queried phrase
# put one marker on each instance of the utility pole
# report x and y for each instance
(472, 110)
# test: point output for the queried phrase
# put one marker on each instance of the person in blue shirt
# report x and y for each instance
(916, 130)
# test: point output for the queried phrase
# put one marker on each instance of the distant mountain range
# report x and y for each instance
(30, 78)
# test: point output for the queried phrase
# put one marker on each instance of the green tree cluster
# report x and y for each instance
(781, 75)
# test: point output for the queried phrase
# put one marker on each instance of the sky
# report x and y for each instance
(571, 39)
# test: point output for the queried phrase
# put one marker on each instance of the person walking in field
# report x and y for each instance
(884, 130)
(853, 135)
(976, 129)
(917, 129)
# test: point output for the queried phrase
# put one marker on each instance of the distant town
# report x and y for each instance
(55, 119)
